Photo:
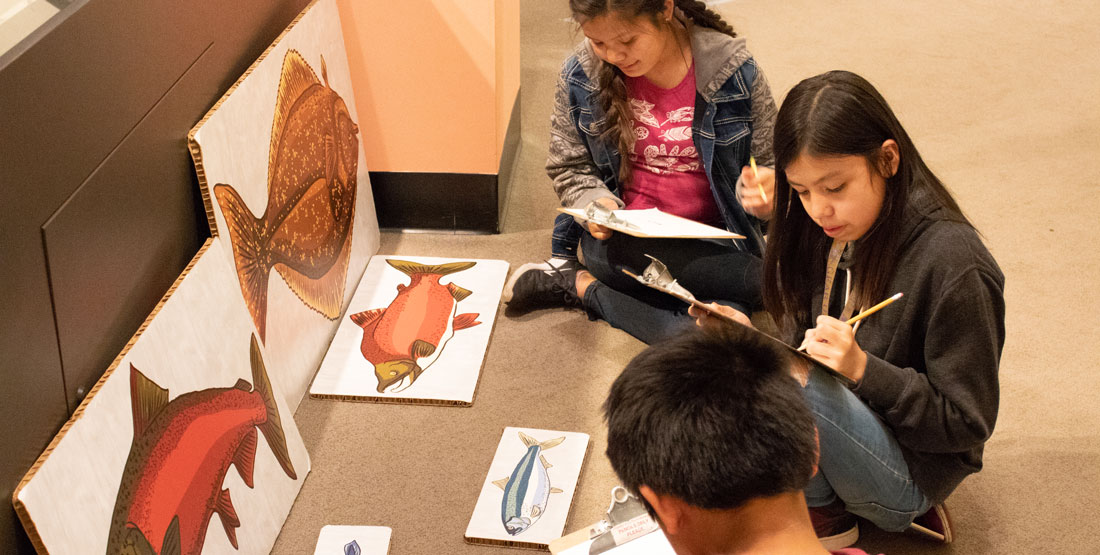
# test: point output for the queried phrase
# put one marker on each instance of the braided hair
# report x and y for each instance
(619, 130)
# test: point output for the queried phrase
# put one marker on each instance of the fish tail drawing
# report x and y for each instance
(272, 428)
(250, 252)
(529, 441)
(411, 268)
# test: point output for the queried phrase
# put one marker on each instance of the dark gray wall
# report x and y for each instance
(99, 207)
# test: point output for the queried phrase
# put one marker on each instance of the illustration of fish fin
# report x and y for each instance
(458, 292)
(545, 463)
(224, 507)
(466, 320)
(501, 483)
(363, 319)
(246, 234)
(245, 457)
(421, 348)
(527, 440)
(551, 443)
(409, 268)
(352, 548)
(326, 293)
(272, 428)
(297, 77)
(536, 511)
(556, 490)
(172, 544)
(146, 400)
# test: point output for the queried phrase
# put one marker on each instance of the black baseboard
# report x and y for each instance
(436, 201)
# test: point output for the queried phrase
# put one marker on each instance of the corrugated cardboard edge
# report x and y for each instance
(20, 508)
(568, 516)
(193, 143)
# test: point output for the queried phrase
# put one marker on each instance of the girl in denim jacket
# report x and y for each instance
(668, 83)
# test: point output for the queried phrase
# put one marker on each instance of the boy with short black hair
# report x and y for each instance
(712, 432)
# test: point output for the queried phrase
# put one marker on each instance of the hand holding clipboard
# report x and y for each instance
(657, 276)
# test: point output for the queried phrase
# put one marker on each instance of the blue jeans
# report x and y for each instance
(566, 236)
(861, 462)
(711, 270)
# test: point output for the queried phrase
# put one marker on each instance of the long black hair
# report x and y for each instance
(609, 79)
(834, 114)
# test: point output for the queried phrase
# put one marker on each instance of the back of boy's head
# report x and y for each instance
(711, 417)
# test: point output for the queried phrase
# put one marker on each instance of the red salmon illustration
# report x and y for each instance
(305, 230)
(182, 449)
(406, 337)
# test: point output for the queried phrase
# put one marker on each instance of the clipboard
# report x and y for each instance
(650, 223)
(657, 276)
(627, 529)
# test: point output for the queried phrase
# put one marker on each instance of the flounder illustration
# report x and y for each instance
(406, 337)
(305, 230)
(182, 449)
(528, 489)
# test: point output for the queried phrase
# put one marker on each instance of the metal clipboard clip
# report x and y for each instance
(600, 214)
(627, 519)
(657, 276)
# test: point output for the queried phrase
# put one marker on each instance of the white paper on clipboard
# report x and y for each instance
(652, 222)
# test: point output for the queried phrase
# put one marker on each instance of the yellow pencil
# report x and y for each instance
(864, 314)
(752, 163)
(872, 310)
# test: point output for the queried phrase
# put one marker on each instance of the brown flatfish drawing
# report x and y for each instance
(305, 231)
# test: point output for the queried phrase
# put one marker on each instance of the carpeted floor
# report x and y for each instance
(1002, 101)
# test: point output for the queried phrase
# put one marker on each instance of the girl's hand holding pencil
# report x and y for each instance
(833, 343)
(756, 190)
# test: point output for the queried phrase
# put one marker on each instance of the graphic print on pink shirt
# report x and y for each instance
(668, 173)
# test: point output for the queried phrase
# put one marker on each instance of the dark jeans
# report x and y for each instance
(567, 234)
(712, 270)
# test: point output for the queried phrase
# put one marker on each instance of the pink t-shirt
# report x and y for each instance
(849, 551)
(667, 171)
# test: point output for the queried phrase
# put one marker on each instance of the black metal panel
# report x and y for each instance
(436, 201)
(99, 208)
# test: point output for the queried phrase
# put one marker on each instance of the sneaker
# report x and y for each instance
(542, 284)
(835, 527)
(935, 524)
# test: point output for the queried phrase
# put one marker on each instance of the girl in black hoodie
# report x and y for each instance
(859, 216)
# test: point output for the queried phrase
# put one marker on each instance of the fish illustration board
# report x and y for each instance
(185, 445)
(416, 331)
(529, 488)
(353, 540)
(284, 180)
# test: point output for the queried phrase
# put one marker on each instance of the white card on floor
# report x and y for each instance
(353, 540)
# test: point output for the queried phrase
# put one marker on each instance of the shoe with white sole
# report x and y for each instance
(542, 285)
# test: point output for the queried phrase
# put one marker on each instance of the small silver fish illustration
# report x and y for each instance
(528, 489)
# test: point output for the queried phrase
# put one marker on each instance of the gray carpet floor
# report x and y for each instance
(1002, 101)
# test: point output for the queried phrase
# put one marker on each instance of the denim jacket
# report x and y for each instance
(734, 116)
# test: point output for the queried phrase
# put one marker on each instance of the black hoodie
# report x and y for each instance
(932, 357)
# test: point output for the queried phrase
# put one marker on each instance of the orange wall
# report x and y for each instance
(507, 64)
(434, 81)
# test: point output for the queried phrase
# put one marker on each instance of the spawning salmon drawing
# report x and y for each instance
(406, 337)
(528, 489)
(182, 449)
(305, 230)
